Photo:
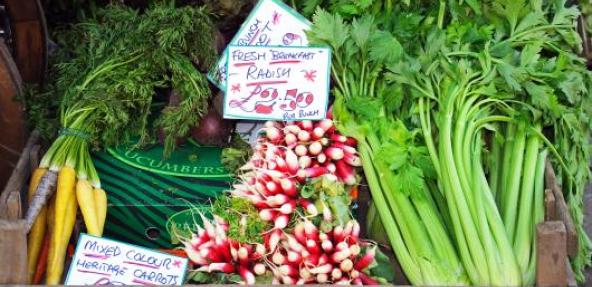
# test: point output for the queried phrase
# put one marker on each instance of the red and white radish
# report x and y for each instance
(291, 161)
(310, 208)
(281, 221)
(246, 275)
(326, 125)
(292, 129)
(267, 214)
(289, 187)
(300, 150)
(318, 133)
(315, 148)
(345, 172)
(278, 258)
(259, 269)
(366, 259)
(306, 125)
(303, 136)
(346, 265)
(290, 139)
(304, 161)
(334, 153)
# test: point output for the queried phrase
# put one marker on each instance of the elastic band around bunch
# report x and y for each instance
(75, 133)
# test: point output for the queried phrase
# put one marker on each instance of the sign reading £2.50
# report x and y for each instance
(271, 23)
(277, 83)
(101, 261)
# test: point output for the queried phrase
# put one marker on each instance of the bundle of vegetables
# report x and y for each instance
(213, 251)
(296, 170)
(290, 155)
(455, 107)
(303, 256)
(308, 255)
(107, 88)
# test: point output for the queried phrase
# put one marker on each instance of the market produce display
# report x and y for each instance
(287, 218)
(447, 113)
(455, 107)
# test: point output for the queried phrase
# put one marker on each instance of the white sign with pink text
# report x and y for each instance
(277, 83)
(101, 261)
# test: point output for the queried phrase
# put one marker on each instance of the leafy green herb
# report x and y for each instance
(237, 154)
(121, 57)
(245, 226)
(381, 268)
(214, 278)
(325, 193)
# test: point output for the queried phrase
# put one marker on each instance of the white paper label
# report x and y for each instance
(277, 83)
(101, 261)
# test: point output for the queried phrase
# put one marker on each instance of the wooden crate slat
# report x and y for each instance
(550, 205)
(571, 277)
(562, 212)
(16, 182)
(13, 206)
(13, 247)
(551, 254)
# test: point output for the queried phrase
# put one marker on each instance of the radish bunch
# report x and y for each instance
(289, 155)
(310, 149)
(286, 158)
(308, 256)
(212, 251)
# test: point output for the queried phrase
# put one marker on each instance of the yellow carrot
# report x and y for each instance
(51, 213)
(51, 229)
(64, 195)
(101, 205)
(65, 191)
(35, 237)
(55, 267)
(86, 200)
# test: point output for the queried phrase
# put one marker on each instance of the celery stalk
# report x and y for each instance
(407, 262)
(524, 232)
(537, 214)
(510, 133)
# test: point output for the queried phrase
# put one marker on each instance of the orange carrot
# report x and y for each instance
(42, 262)
(176, 252)
(354, 192)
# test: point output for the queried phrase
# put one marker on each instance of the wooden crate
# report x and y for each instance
(13, 234)
(557, 238)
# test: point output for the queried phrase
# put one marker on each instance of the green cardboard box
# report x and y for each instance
(144, 191)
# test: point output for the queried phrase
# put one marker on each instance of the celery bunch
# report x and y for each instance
(456, 106)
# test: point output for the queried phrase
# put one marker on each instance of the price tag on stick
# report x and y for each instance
(271, 23)
(101, 261)
(277, 83)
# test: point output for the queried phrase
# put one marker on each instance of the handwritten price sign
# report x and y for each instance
(277, 83)
(271, 23)
(100, 261)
